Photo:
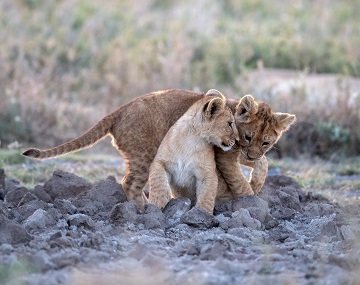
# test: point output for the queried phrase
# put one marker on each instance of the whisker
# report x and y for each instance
(272, 161)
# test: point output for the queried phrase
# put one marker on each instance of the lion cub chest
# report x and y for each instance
(187, 164)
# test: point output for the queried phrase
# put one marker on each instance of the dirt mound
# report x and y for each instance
(70, 231)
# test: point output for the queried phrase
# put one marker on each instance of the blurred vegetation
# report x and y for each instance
(65, 64)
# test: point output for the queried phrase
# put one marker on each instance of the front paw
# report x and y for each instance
(256, 188)
(247, 190)
(159, 202)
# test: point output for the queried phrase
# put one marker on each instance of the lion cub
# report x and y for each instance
(186, 155)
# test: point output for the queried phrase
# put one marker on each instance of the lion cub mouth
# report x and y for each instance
(248, 158)
(227, 146)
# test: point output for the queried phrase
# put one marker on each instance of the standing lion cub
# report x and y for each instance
(186, 155)
(138, 128)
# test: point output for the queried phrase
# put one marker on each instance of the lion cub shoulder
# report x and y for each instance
(186, 155)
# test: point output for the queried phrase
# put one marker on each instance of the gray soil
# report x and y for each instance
(69, 231)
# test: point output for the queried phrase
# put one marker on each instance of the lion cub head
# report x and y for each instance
(259, 127)
(218, 123)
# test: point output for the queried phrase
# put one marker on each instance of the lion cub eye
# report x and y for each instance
(265, 143)
(248, 138)
(231, 125)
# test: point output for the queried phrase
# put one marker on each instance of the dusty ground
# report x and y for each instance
(70, 231)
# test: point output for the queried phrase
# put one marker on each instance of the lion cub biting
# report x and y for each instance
(260, 127)
(186, 155)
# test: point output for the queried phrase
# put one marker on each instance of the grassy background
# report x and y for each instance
(65, 64)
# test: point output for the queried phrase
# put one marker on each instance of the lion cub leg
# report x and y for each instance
(158, 179)
(258, 172)
(134, 182)
(206, 190)
(228, 165)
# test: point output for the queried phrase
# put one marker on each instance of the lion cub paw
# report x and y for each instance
(247, 190)
(159, 202)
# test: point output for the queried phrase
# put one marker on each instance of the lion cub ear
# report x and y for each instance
(284, 120)
(246, 107)
(217, 93)
(213, 107)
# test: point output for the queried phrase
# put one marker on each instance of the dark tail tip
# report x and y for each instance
(32, 152)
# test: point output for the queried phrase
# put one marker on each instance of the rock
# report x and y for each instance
(62, 242)
(41, 261)
(278, 181)
(6, 248)
(289, 201)
(257, 207)
(245, 202)
(26, 210)
(15, 195)
(318, 209)
(27, 198)
(239, 219)
(270, 222)
(328, 229)
(247, 220)
(175, 209)
(41, 194)
(81, 220)
(2, 184)
(11, 184)
(101, 198)
(199, 218)
(260, 214)
(282, 213)
(40, 219)
(225, 208)
(11, 232)
(152, 218)
(281, 190)
(2, 178)
(66, 257)
(65, 206)
(349, 233)
(55, 236)
(65, 185)
(218, 248)
(124, 212)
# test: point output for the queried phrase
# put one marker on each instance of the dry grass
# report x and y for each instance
(323, 176)
(65, 64)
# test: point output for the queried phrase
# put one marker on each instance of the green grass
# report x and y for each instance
(31, 172)
(351, 167)
(10, 157)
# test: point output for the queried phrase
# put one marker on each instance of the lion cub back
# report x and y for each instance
(185, 159)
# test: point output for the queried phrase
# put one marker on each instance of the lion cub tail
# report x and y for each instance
(88, 139)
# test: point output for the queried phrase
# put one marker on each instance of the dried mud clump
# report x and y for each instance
(69, 231)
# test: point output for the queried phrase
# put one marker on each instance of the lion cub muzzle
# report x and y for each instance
(226, 146)
(251, 156)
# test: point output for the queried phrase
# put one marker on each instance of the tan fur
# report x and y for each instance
(257, 124)
(137, 130)
(186, 155)
(259, 128)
